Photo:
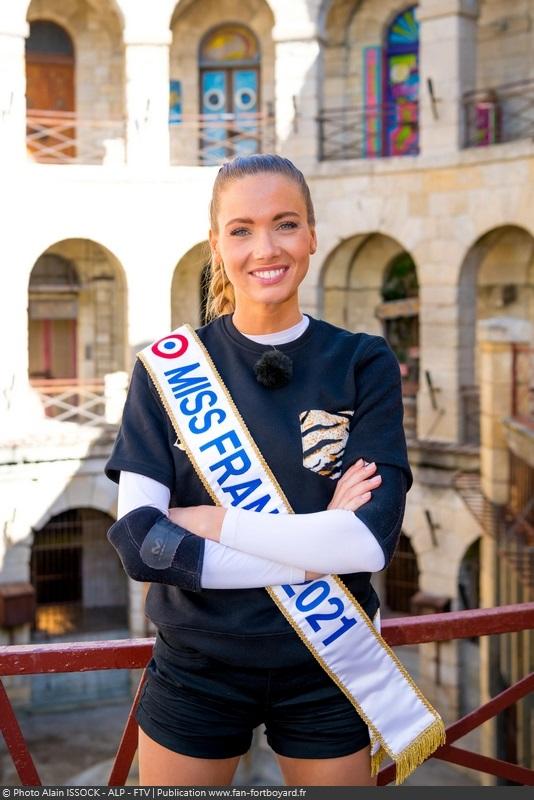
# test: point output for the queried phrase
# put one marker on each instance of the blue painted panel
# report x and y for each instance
(215, 103)
(245, 102)
(175, 102)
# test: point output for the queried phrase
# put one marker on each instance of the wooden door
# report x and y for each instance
(50, 93)
(52, 348)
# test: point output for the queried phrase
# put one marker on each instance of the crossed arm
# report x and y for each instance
(245, 551)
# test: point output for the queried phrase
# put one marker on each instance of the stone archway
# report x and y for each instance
(79, 288)
(206, 85)
(188, 289)
(496, 279)
(369, 283)
(84, 122)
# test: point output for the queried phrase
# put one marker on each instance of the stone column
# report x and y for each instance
(495, 339)
(12, 92)
(147, 99)
(447, 65)
(297, 76)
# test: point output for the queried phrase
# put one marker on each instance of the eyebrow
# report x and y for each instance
(248, 221)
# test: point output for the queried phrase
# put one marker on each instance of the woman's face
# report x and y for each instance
(263, 240)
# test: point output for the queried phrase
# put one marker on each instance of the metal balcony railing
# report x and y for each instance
(499, 114)
(54, 137)
(346, 133)
(135, 654)
(211, 139)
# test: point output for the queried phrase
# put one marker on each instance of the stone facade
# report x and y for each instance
(464, 216)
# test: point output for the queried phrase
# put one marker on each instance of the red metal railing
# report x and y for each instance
(135, 653)
(523, 384)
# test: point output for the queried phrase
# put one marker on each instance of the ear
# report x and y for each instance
(313, 241)
(213, 240)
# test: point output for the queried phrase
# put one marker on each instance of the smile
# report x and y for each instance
(270, 275)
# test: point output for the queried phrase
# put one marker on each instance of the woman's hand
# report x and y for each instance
(353, 491)
(354, 488)
(204, 521)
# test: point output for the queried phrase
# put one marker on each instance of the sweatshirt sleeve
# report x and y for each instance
(377, 434)
(222, 567)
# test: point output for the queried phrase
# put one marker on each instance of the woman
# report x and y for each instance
(324, 407)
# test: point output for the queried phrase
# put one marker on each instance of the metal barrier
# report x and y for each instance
(211, 139)
(499, 114)
(135, 653)
(346, 133)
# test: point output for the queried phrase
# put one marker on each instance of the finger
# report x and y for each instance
(358, 487)
(353, 470)
(358, 478)
(358, 471)
(351, 504)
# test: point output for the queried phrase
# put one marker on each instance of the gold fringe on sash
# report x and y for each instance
(417, 751)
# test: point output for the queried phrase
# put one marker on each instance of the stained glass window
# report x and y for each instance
(229, 44)
(402, 85)
(404, 29)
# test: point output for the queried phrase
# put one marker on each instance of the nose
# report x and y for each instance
(265, 246)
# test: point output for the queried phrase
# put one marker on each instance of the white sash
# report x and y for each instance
(323, 613)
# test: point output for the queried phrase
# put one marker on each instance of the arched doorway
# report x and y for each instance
(229, 81)
(76, 329)
(399, 313)
(402, 577)
(401, 81)
(53, 312)
(190, 287)
(50, 93)
(79, 581)
(81, 594)
(369, 283)
(496, 279)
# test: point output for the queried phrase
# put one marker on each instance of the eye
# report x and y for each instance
(238, 231)
(288, 225)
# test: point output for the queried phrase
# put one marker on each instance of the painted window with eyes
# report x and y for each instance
(229, 93)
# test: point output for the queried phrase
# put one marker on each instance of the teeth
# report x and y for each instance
(271, 273)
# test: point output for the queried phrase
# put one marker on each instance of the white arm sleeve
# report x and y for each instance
(330, 542)
(223, 567)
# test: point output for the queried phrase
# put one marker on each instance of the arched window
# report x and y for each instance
(401, 77)
(229, 63)
(402, 577)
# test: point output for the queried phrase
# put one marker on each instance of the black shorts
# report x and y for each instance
(199, 706)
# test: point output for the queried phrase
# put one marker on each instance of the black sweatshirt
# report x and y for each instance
(343, 402)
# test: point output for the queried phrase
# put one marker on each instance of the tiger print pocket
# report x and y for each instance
(324, 436)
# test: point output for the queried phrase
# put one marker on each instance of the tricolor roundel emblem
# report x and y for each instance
(170, 346)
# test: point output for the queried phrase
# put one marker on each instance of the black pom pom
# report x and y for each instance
(274, 369)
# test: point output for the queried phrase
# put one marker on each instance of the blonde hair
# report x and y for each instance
(221, 298)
